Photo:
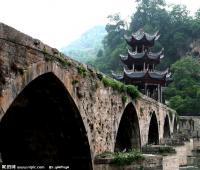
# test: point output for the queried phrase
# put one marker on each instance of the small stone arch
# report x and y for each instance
(166, 129)
(175, 127)
(128, 135)
(43, 126)
(153, 135)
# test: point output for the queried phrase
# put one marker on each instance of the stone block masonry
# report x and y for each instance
(56, 91)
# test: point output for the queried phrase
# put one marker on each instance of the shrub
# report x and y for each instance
(81, 70)
(124, 99)
(100, 76)
(166, 150)
(108, 82)
(123, 158)
(63, 61)
(116, 85)
(126, 158)
(132, 91)
(123, 88)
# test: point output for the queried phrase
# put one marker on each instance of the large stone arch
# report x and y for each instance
(13, 119)
(128, 134)
(166, 127)
(153, 134)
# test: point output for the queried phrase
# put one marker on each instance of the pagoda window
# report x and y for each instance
(150, 67)
(139, 49)
(142, 48)
(130, 67)
(135, 49)
(139, 67)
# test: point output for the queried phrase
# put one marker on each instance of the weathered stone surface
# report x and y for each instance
(23, 59)
(190, 126)
(155, 162)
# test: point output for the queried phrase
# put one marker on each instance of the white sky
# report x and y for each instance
(58, 22)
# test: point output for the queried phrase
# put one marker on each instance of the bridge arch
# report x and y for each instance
(175, 127)
(153, 134)
(128, 135)
(43, 126)
(166, 129)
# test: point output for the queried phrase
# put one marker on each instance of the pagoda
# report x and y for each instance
(139, 65)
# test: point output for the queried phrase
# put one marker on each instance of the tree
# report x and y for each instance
(184, 92)
(100, 53)
(113, 43)
(115, 29)
(176, 27)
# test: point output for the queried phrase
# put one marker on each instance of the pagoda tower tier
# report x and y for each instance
(146, 76)
(148, 58)
(139, 65)
(140, 40)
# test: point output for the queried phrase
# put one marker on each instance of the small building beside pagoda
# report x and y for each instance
(139, 65)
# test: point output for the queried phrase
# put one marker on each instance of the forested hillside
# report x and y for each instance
(87, 46)
(178, 31)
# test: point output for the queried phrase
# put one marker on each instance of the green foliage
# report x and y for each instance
(124, 99)
(170, 115)
(176, 27)
(48, 57)
(82, 70)
(64, 62)
(100, 76)
(166, 150)
(60, 58)
(108, 82)
(141, 109)
(126, 158)
(123, 158)
(45, 50)
(116, 85)
(87, 46)
(113, 44)
(75, 82)
(100, 53)
(132, 90)
(184, 92)
(106, 154)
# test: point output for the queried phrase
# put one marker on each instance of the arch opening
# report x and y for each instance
(166, 128)
(153, 136)
(175, 129)
(44, 127)
(128, 135)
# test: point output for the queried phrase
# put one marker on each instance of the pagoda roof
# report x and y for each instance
(146, 74)
(149, 56)
(143, 75)
(141, 37)
(117, 77)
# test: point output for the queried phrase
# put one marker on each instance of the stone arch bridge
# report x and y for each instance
(58, 111)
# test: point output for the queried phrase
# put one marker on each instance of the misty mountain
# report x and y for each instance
(86, 47)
